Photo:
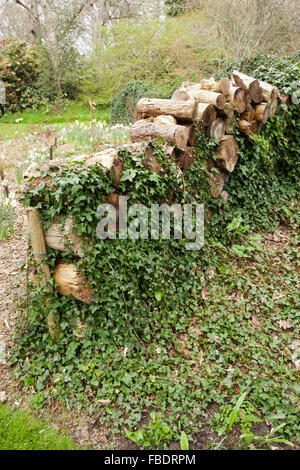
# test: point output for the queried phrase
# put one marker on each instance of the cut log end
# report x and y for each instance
(71, 282)
(238, 99)
(227, 153)
(216, 130)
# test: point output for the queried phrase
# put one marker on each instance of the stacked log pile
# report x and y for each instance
(215, 107)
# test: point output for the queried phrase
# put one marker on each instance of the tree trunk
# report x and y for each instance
(71, 282)
(194, 90)
(182, 110)
(206, 113)
(165, 119)
(227, 153)
(229, 118)
(252, 85)
(216, 130)
(238, 98)
(148, 130)
(262, 112)
(108, 159)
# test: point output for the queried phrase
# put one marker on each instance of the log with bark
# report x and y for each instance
(274, 106)
(148, 129)
(70, 282)
(270, 92)
(252, 85)
(196, 92)
(185, 111)
(216, 130)
(38, 244)
(262, 112)
(238, 98)
(108, 159)
(182, 110)
(229, 118)
(61, 236)
(249, 114)
(206, 113)
(227, 153)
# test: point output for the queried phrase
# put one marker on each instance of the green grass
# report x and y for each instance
(29, 121)
(20, 431)
(11, 131)
(69, 112)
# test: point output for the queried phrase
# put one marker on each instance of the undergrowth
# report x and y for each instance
(171, 330)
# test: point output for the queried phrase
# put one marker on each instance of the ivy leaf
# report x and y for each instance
(129, 175)
(159, 295)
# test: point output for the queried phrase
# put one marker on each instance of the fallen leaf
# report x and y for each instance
(284, 324)
(205, 294)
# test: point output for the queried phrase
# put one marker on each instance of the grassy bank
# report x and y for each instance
(21, 431)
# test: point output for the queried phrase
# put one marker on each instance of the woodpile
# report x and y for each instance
(216, 108)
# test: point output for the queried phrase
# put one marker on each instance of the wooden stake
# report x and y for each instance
(40, 251)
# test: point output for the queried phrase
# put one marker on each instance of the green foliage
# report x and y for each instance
(246, 415)
(243, 412)
(18, 71)
(184, 442)
(176, 7)
(60, 82)
(162, 52)
(281, 71)
(123, 105)
(21, 431)
(156, 435)
(31, 81)
(252, 441)
(153, 339)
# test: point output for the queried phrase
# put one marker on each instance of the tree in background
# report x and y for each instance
(53, 26)
(178, 7)
(249, 27)
(18, 71)
(101, 45)
(162, 51)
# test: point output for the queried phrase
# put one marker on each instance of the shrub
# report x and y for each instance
(19, 71)
(123, 105)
